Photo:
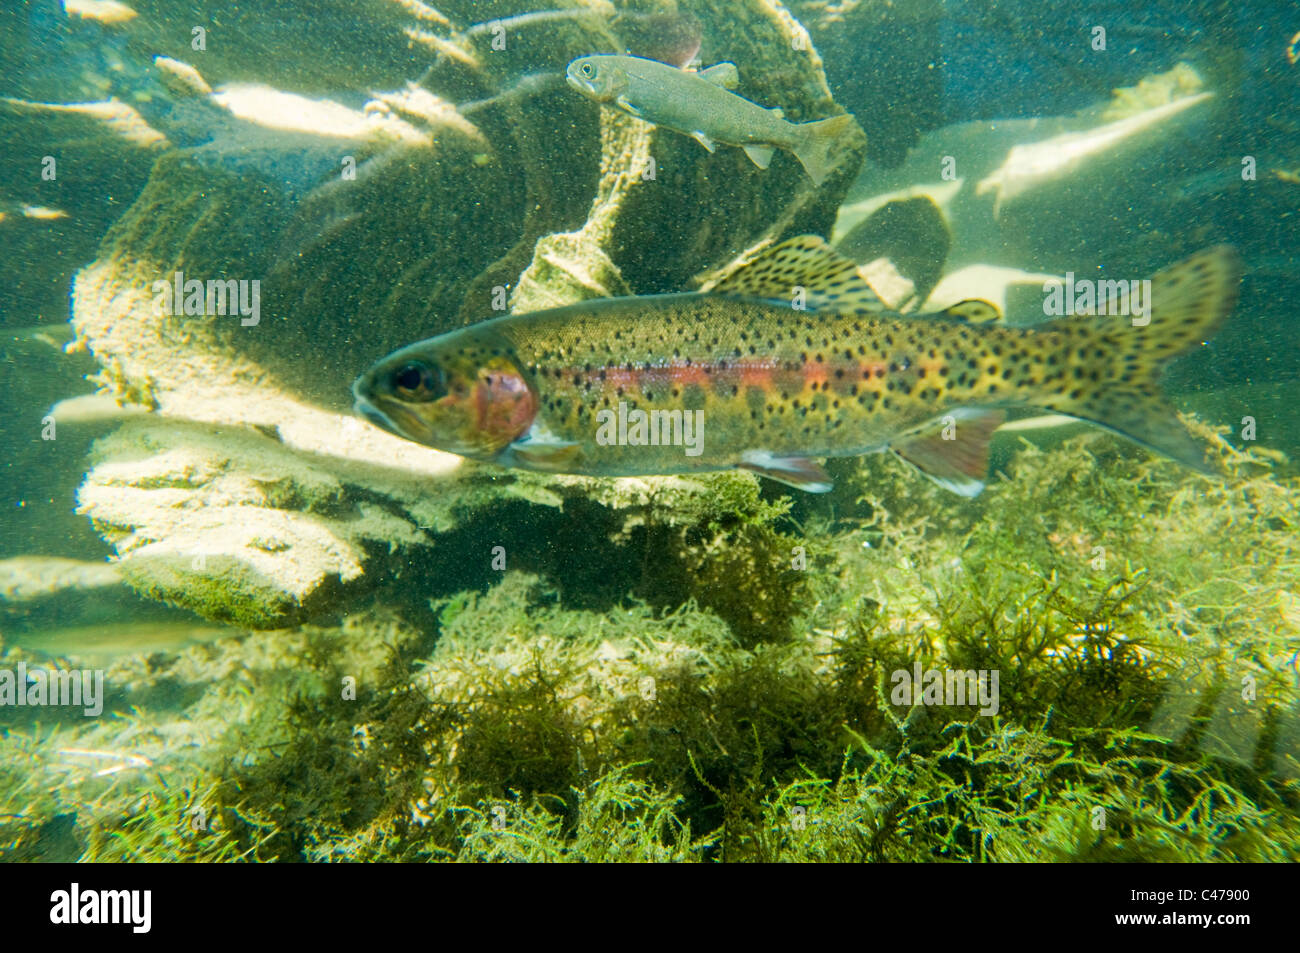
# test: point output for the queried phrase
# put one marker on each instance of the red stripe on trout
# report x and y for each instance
(730, 377)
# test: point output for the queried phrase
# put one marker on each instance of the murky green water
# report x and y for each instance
(971, 534)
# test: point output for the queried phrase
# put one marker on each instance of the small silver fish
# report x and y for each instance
(700, 106)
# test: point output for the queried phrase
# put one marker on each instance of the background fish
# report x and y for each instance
(699, 105)
(777, 386)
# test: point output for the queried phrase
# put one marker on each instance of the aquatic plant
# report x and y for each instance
(512, 725)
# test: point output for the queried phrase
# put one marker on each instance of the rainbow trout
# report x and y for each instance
(789, 358)
(700, 106)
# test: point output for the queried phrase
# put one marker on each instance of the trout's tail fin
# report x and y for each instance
(1114, 363)
(818, 143)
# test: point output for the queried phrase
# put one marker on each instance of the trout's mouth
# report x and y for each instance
(583, 76)
(390, 416)
(374, 415)
(587, 89)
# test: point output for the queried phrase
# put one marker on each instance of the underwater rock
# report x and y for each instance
(109, 12)
(1142, 155)
(912, 234)
(1037, 164)
(573, 266)
(1150, 92)
(25, 580)
(1014, 291)
(260, 271)
(44, 597)
(251, 542)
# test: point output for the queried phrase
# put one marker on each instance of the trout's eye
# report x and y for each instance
(587, 69)
(418, 381)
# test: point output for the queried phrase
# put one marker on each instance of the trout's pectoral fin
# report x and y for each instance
(798, 472)
(704, 140)
(952, 450)
(627, 107)
(761, 156)
(541, 450)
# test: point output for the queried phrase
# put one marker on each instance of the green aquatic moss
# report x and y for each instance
(737, 555)
(228, 592)
(181, 823)
(1147, 700)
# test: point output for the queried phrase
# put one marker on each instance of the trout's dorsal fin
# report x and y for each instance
(828, 280)
(722, 74)
(952, 450)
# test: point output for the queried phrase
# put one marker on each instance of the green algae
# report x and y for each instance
(1147, 705)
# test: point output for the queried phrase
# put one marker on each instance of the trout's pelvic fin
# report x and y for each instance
(798, 472)
(952, 450)
(1120, 362)
(702, 138)
(801, 267)
(625, 104)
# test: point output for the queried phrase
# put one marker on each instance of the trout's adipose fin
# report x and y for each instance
(973, 311)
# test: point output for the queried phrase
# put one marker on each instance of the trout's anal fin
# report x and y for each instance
(704, 140)
(722, 74)
(798, 472)
(761, 156)
(952, 450)
(803, 264)
(540, 449)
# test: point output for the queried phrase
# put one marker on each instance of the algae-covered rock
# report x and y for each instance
(259, 273)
